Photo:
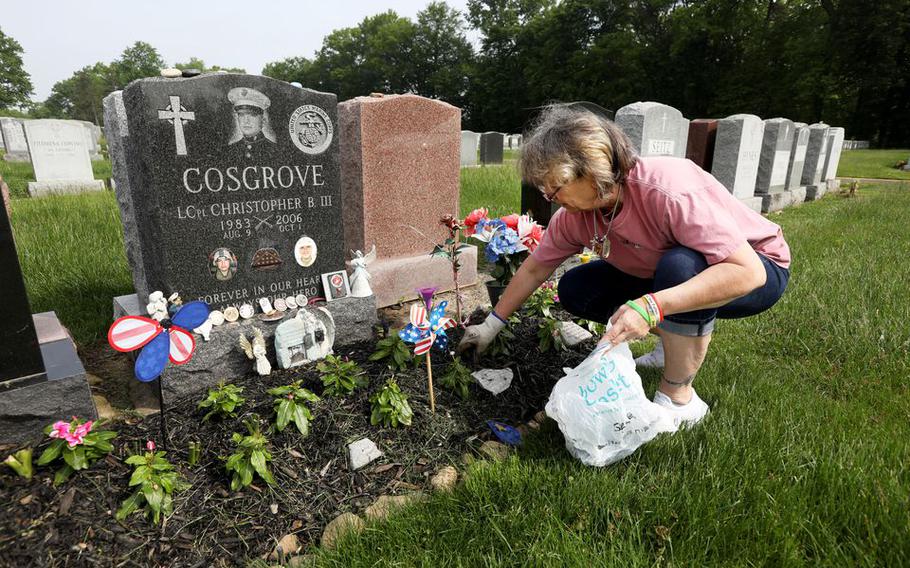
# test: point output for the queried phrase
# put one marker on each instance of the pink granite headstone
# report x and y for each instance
(400, 162)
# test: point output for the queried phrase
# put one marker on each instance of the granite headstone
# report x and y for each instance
(470, 141)
(60, 156)
(13, 139)
(401, 165)
(797, 160)
(773, 163)
(41, 377)
(835, 147)
(655, 129)
(701, 140)
(816, 153)
(736, 155)
(491, 148)
(234, 186)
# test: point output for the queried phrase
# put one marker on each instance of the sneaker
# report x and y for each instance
(683, 414)
(654, 359)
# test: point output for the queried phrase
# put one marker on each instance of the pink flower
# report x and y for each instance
(73, 436)
(556, 298)
(471, 220)
(511, 221)
(529, 232)
(150, 446)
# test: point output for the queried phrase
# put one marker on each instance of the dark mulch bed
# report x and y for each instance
(74, 525)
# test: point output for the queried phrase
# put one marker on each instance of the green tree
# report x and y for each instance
(299, 69)
(15, 82)
(442, 55)
(138, 61)
(79, 97)
(196, 63)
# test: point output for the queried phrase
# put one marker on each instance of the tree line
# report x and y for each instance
(846, 62)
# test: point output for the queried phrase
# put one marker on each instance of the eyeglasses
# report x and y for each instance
(551, 197)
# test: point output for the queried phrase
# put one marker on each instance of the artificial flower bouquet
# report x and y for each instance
(508, 239)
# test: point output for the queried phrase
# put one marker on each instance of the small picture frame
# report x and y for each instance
(336, 285)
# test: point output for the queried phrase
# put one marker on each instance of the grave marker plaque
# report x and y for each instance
(700, 143)
(491, 146)
(235, 188)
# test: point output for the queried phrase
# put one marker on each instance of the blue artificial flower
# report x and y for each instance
(489, 225)
(505, 241)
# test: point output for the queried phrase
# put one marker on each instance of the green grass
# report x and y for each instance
(877, 164)
(802, 462)
(498, 188)
(71, 251)
(18, 174)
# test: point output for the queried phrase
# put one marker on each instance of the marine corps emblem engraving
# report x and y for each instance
(311, 129)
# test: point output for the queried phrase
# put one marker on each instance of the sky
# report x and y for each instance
(59, 37)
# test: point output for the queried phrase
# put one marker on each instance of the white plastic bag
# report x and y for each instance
(602, 409)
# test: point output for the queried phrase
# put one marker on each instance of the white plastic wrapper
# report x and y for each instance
(602, 409)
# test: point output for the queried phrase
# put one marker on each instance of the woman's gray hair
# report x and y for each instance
(567, 143)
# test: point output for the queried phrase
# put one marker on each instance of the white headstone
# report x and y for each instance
(797, 155)
(736, 155)
(13, 139)
(470, 141)
(835, 146)
(654, 128)
(60, 157)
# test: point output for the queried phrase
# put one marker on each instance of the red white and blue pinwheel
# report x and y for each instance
(159, 341)
(426, 332)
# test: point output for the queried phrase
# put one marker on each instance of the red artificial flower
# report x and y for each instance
(511, 221)
(450, 222)
(529, 232)
(471, 220)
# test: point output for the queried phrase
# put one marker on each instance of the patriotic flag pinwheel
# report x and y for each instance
(159, 341)
(425, 332)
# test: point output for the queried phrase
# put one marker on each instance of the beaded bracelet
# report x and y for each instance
(641, 311)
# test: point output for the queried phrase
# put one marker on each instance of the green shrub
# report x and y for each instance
(290, 406)
(390, 406)
(457, 378)
(157, 483)
(549, 337)
(340, 376)
(502, 343)
(223, 401)
(251, 457)
(394, 348)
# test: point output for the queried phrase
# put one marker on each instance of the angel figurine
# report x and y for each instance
(157, 306)
(360, 279)
(256, 350)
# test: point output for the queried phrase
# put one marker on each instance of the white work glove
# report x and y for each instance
(480, 336)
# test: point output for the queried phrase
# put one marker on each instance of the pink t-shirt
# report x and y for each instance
(667, 202)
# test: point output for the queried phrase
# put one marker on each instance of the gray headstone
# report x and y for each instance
(797, 155)
(115, 123)
(816, 153)
(91, 141)
(491, 148)
(469, 144)
(835, 146)
(774, 160)
(229, 176)
(14, 139)
(60, 156)
(654, 128)
(736, 155)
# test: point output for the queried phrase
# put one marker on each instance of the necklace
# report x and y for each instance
(601, 244)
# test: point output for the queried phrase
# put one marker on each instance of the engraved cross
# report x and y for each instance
(177, 115)
(663, 123)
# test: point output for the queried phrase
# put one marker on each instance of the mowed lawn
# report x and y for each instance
(876, 164)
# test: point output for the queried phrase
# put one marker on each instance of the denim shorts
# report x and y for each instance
(595, 290)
